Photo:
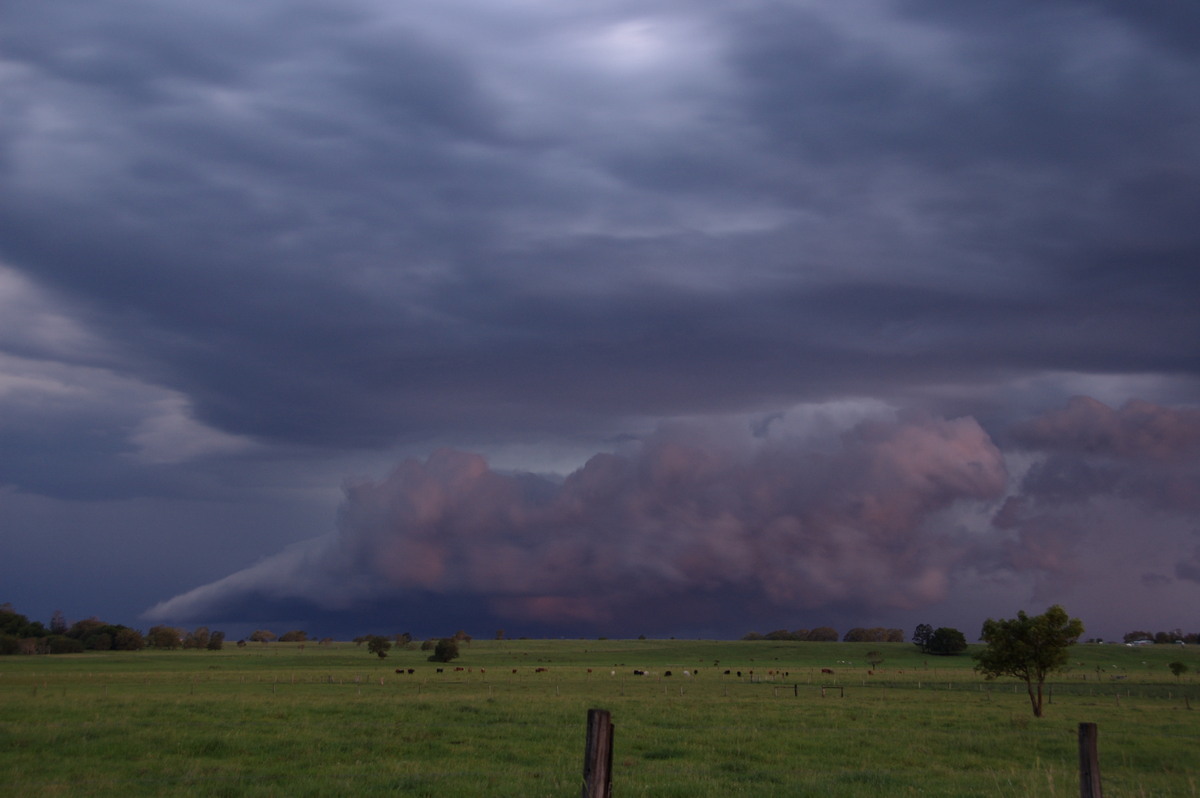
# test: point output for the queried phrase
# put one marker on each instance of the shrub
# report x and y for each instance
(445, 650)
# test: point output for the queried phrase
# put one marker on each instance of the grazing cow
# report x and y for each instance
(666, 673)
(827, 670)
(540, 670)
(726, 673)
(638, 672)
(739, 674)
(439, 670)
(514, 670)
(456, 670)
(399, 670)
(411, 671)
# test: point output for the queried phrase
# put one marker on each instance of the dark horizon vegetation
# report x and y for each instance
(19, 635)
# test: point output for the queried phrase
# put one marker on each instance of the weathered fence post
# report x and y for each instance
(597, 755)
(1089, 762)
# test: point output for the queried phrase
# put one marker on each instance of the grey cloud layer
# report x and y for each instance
(357, 217)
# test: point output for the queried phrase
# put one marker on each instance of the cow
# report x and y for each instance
(638, 672)
(827, 670)
(666, 673)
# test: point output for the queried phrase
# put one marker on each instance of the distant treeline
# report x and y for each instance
(827, 634)
(19, 635)
(1162, 638)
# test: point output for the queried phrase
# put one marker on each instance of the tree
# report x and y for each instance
(58, 623)
(294, 636)
(198, 638)
(946, 642)
(379, 645)
(262, 636)
(445, 650)
(1178, 668)
(921, 636)
(164, 637)
(1028, 648)
(216, 640)
(128, 639)
(823, 634)
(874, 658)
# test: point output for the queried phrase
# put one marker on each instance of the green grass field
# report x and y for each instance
(278, 720)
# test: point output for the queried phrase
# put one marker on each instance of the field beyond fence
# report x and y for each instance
(279, 719)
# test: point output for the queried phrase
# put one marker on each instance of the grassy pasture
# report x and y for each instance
(278, 720)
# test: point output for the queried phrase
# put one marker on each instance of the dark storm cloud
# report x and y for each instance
(1107, 479)
(235, 238)
(352, 219)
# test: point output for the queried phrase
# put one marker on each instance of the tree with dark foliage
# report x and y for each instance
(445, 650)
(921, 635)
(946, 642)
(1028, 648)
(379, 645)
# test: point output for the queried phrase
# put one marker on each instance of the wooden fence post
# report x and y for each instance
(1089, 762)
(597, 755)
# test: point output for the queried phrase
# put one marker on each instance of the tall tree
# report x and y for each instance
(1029, 648)
(921, 635)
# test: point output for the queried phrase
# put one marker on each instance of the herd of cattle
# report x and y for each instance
(636, 672)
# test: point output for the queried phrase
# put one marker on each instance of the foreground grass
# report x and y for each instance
(329, 721)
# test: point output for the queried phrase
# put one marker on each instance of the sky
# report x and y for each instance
(600, 318)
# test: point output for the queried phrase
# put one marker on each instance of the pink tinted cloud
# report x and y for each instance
(1138, 430)
(685, 517)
